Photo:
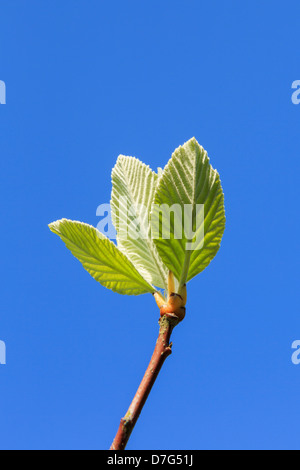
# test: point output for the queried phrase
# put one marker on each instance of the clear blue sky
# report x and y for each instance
(86, 81)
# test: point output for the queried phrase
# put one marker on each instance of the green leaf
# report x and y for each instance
(133, 190)
(101, 258)
(189, 179)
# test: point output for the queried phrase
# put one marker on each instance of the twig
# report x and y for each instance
(162, 350)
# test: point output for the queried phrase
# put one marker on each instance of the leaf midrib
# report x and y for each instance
(149, 243)
(108, 264)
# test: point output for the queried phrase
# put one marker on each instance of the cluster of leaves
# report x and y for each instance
(141, 265)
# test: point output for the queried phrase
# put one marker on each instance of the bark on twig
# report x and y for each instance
(162, 350)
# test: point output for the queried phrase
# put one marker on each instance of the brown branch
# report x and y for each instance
(162, 350)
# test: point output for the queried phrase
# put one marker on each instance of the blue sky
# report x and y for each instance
(86, 81)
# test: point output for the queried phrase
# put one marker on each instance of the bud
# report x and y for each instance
(174, 307)
(171, 284)
(175, 301)
(160, 300)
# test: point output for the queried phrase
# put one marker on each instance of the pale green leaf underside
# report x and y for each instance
(188, 178)
(133, 189)
(101, 258)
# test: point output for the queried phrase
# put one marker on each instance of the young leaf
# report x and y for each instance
(101, 258)
(133, 189)
(189, 179)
